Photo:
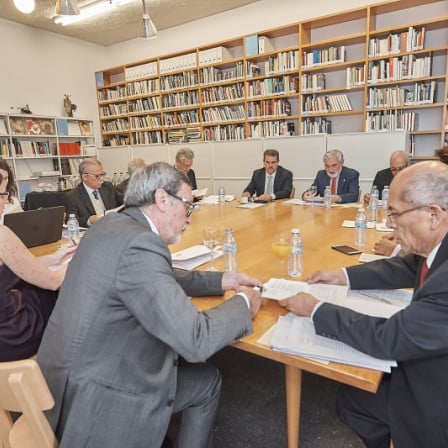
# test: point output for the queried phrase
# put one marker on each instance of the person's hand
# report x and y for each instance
(265, 197)
(94, 218)
(336, 277)
(246, 194)
(366, 198)
(385, 246)
(233, 281)
(60, 256)
(301, 304)
(254, 297)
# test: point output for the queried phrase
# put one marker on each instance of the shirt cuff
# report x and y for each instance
(396, 250)
(246, 299)
(314, 311)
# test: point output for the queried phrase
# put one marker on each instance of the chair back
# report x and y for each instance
(24, 390)
(293, 192)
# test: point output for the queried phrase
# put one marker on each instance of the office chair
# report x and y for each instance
(24, 390)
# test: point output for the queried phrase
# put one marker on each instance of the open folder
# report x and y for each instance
(192, 257)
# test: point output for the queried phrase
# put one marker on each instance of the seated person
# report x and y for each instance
(271, 182)
(387, 246)
(93, 196)
(442, 154)
(27, 294)
(398, 161)
(8, 185)
(343, 181)
(184, 162)
(132, 166)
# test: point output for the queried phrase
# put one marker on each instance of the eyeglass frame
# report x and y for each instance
(97, 176)
(5, 194)
(398, 169)
(391, 215)
(191, 206)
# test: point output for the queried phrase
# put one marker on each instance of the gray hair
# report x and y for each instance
(427, 183)
(134, 164)
(185, 153)
(89, 161)
(147, 180)
(334, 153)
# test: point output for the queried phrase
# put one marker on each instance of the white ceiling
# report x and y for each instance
(121, 24)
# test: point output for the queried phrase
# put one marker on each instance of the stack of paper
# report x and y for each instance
(193, 257)
(214, 200)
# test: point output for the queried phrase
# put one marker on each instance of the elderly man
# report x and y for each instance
(111, 351)
(184, 162)
(343, 181)
(271, 182)
(93, 196)
(133, 165)
(410, 406)
(398, 161)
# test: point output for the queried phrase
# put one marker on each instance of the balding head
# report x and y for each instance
(398, 161)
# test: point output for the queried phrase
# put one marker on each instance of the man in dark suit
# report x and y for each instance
(398, 161)
(184, 162)
(271, 182)
(133, 165)
(343, 181)
(110, 353)
(410, 406)
(93, 196)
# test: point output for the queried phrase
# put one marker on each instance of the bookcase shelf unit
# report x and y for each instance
(377, 68)
(44, 151)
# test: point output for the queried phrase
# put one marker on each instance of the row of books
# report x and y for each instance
(145, 122)
(225, 113)
(116, 140)
(312, 82)
(179, 81)
(391, 121)
(230, 92)
(188, 117)
(30, 126)
(210, 75)
(120, 124)
(282, 62)
(181, 99)
(147, 138)
(315, 125)
(69, 167)
(140, 71)
(113, 109)
(28, 148)
(112, 93)
(224, 132)
(145, 87)
(268, 108)
(411, 40)
(272, 86)
(190, 134)
(145, 104)
(397, 68)
(182, 62)
(270, 129)
(323, 104)
(355, 76)
(420, 93)
(5, 147)
(324, 56)
(214, 55)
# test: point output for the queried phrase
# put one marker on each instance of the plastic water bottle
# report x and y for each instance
(295, 265)
(360, 227)
(230, 250)
(373, 208)
(327, 196)
(385, 197)
(73, 228)
(221, 195)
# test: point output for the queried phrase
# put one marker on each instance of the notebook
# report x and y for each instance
(36, 227)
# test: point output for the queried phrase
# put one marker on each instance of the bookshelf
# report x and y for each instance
(377, 68)
(44, 151)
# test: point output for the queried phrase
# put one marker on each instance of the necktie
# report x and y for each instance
(333, 185)
(95, 194)
(269, 188)
(423, 272)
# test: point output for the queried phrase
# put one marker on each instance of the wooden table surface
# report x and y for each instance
(254, 230)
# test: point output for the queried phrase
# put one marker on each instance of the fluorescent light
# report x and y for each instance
(91, 10)
(25, 6)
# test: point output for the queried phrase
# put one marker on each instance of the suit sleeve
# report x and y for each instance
(251, 187)
(285, 185)
(74, 205)
(352, 191)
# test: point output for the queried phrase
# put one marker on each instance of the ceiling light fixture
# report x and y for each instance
(25, 6)
(149, 30)
(90, 10)
(66, 8)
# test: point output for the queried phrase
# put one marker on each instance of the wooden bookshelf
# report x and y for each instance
(376, 68)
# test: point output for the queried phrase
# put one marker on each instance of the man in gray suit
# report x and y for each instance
(410, 406)
(111, 350)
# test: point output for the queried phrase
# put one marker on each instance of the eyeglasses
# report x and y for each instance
(190, 205)
(397, 169)
(393, 215)
(5, 195)
(97, 176)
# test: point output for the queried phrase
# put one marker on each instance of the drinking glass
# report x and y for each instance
(281, 249)
(211, 241)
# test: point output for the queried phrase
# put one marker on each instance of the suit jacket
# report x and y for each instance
(77, 201)
(348, 184)
(282, 183)
(383, 178)
(417, 337)
(192, 176)
(110, 350)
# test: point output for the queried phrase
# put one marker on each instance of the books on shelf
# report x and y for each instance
(251, 44)
(411, 40)
(325, 56)
(140, 71)
(214, 55)
(175, 63)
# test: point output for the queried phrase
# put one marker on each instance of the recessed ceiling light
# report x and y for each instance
(25, 6)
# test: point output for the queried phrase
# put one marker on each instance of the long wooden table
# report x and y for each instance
(254, 229)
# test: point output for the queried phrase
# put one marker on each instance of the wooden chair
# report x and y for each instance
(24, 390)
(293, 192)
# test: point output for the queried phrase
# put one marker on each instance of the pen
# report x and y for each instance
(73, 241)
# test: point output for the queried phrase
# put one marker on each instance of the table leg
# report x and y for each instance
(293, 379)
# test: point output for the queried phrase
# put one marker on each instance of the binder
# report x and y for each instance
(252, 45)
(264, 45)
